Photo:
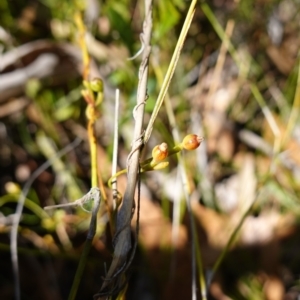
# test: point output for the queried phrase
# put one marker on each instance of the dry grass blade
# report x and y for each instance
(122, 237)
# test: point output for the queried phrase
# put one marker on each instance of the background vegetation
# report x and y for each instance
(236, 84)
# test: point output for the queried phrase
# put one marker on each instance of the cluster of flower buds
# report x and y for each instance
(93, 95)
(96, 85)
(161, 152)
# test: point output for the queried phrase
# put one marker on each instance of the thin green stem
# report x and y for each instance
(147, 165)
(196, 252)
(36, 209)
(202, 281)
(219, 30)
(171, 69)
(88, 243)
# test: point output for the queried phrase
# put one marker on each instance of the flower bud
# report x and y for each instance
(191, 142)
(96, 85)
(160, 152)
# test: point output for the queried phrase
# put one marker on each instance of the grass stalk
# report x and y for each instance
(92, 115)
(122, 237)
(196, 252)
(87, 245)
(171, 69)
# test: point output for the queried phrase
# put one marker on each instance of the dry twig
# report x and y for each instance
(122, 237)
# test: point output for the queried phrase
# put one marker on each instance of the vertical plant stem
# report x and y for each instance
(171, 69)
(91, 113)
(87, 245)
(83, 46)
(183, 174)
(219, 30)
(122, 237)
(187, 195)
(93, 152)
(80, 269)
(202, 279)
(114, 185)
(124, 214)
